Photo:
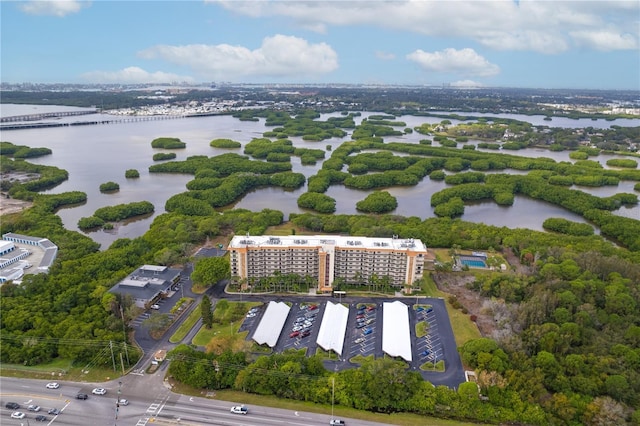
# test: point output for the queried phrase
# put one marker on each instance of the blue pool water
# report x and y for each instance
(473, 263)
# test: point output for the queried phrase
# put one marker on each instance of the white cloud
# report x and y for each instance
(278, 56)
(548, 27)
(464, 62)
(466, 83)
(385, 56)
(605, 40)
(57, 8)
(134, 75)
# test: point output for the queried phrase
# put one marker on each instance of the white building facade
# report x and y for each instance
(330, 257)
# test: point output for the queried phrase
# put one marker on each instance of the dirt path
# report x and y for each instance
(11, 205)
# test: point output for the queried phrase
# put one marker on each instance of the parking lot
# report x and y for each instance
(363, 336)
(301, 328)
(428, 347)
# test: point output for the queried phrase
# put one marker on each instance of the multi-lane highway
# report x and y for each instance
(150, 403)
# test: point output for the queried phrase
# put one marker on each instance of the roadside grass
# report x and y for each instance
(59, 370)
(400, 419)
(186, 326)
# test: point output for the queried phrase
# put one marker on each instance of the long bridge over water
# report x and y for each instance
(44, 115)
(32, 123)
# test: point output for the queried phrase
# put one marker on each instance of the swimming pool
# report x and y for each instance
(473, 262)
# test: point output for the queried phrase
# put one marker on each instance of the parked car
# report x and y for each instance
(82, 396)
(239, 409)
(313, 307)
(336, 422)
(371, 308)
(53, 385)
(305, 333)
(294, 334)
(425, 353)
(12, 405)
(359, 316)
(367, 331)
(54, 411)
(429, 310)
(155, 307)
(360, 340)
(18, 415)
(370, 321)
(99, 391)
(41, 418)
(35, 408)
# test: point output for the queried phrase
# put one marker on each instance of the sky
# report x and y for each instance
(468, 43)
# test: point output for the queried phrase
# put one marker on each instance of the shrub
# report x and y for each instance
(164, 156)
(109, 187)
(167, 143)
(131, 173)
(224, 143)
(622, 162)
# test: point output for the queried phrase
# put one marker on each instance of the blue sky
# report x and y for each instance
(525, 43)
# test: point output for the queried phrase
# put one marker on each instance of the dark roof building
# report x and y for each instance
(147, 283)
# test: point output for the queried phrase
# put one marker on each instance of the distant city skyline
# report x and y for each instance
(459, 43)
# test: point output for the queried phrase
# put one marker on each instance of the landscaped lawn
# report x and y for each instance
(227, 319)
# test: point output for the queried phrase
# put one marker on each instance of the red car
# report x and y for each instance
(371, 308)
(294, 334)
(312, 307)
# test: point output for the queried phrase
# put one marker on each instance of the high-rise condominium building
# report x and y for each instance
(329, 257)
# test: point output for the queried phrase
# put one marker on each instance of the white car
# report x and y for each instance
(123, 402)
(155, 307)
(238, 409)
(17, 415)
(35, 408)
(53, 385)
(99, 391)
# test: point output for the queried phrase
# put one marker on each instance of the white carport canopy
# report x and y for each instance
(271, 324)
(396, 340)
(333, 327)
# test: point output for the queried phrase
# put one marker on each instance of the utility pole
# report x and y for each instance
(112, 357)
(333, 394)
(118, 400)
(124, 332)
